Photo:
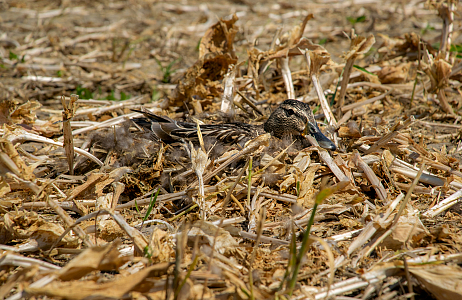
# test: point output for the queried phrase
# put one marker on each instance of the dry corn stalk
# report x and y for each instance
(438, 70)
(68, 114)
(359, 45)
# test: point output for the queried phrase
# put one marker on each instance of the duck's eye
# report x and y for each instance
(290, 112)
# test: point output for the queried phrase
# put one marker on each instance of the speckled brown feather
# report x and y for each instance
(292, 117)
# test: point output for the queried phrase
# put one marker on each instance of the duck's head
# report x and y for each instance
(296, 118)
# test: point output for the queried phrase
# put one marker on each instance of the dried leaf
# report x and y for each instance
(160, 249)
(441, 280)
(212, 235)
(394, 74)
(25, 113)
(116, 289)
(103, 258)
(219, 38)
(359, 45)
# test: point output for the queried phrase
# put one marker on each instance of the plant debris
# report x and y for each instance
(94, 205)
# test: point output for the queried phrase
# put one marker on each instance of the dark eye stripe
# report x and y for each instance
(292, 112)
(300, 116)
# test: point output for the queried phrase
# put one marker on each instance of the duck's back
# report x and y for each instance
(170, 131)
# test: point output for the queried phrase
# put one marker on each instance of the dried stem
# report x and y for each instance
(447, 14)
(68, 114)
(287, 77)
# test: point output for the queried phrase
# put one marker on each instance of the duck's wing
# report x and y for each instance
(170, 131)
(158, 127)
(230, 133)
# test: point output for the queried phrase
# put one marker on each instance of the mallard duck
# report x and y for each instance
(292, 117)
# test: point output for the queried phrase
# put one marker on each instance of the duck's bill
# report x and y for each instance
(323, 141)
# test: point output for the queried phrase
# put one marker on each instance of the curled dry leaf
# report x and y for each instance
(439, 71)
(25, 113)
(305, 197)
(211, 234)
(35, 232)
(275, 163)
(216, 54)
(359, 45)
(297, 49)
(159, 246)
(408, 44)
(116, 289)
(109, 230)
(20, 225)
(11, 161)
(202, 79)
(394, 74)
(442, 71)
(441, 280)
(103, 258)
(219, 38)
(4, 189)
(409, 229)
(349, 131)
(295, 34)
(318, 57)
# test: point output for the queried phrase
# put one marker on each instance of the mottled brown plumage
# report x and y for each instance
(292, 117)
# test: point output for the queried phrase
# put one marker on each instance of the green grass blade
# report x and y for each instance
(151, 205)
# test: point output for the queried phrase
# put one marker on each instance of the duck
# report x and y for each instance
(290, 118)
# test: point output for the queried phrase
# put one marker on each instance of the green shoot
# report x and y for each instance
(364, 70)
(292, 256)
(151, 206)
(155, 94)
(83, 93)
(315, 110)
(183, 213)
(147, 252)
(320, 197)
(304, 247)
(457, 48)
(198, 45)
(130, 51)
(111, 96)
(13, 56)
(436, 45)
(426, 29)
(124, 96)
(167, 71)
(353, 21)
(190, 269)
(136, 207)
